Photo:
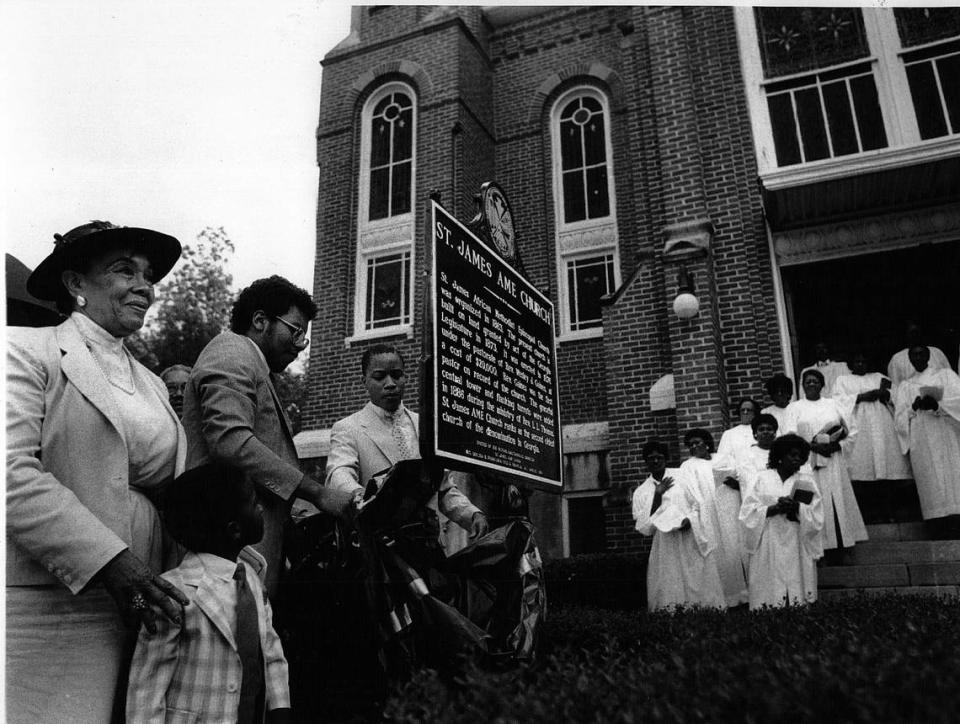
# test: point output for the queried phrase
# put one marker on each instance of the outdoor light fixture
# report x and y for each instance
(686, 305)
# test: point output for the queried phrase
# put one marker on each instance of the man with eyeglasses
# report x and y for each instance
(232, 414)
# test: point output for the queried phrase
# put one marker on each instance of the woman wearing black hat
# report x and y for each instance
(91, 438)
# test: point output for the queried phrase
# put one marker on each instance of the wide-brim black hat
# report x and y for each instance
(83, 241)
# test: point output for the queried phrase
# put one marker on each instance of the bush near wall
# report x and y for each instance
(608, 580)
(877, 659)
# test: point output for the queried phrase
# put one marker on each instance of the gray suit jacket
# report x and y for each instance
(68, 504)
(362, 445)
(231, 413)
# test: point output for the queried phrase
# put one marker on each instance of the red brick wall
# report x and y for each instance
(682, 150)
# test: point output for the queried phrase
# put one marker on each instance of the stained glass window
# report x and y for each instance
(918, 26)
(794, 40)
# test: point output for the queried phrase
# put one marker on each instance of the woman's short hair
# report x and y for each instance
(816, 373)
(274, 296)
(777, 383)
(784, 444)
(654, 446)
(700, 433)
(764, 418)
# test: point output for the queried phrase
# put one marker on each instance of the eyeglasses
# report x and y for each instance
(299, 333)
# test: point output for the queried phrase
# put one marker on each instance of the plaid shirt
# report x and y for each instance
(192, 672)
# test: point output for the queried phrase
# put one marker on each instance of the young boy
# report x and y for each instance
(224, 663)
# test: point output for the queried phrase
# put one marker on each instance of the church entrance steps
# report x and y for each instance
(897, 531)
(904, 551)
(897, 558)
(833, 594)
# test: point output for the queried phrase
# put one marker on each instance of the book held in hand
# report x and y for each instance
(802, 495)
(934, 391)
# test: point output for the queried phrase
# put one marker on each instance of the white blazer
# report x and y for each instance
(68, 500)
(362, 445)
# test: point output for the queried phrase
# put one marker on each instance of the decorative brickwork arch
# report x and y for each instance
(582, 72)
(390, 70)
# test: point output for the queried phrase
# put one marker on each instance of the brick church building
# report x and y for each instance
(797, 170)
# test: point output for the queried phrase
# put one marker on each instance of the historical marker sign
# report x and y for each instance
(495, 401)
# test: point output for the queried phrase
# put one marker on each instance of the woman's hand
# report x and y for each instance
(664, 485)
(821, 449)
(137, 592)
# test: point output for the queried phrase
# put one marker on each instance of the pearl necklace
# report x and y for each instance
(128, 385)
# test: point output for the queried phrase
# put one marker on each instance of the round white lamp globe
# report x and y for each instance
(686, 305)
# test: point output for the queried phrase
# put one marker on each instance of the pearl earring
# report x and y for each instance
(81, 301)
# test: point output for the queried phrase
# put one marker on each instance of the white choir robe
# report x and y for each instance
(681, 570)
(734, 440)
(874, 453)
(723, 503)
(933, 441)
(750, 462)
(779, 414)
(830, 371)
(783, 568)
(901, 368)
(806, 418)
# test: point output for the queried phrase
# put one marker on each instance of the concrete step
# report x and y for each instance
(902, 551)
(833, 594)
(869, 576)
(914, 530)
(890, 574)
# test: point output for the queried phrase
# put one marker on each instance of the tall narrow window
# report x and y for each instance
(587, 264)
(583, 157)
(391, 156)
(384, 296)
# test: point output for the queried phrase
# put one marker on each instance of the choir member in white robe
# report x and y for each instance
(780, 389)
(681, 570)
(830, 369)
(864, 399)
(900, 367)
(782, 534)
(815, 417)
(739, 437)
(755, 458)
(717, 479)
(929, 428)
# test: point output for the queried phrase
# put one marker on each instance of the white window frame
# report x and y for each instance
(905, 147)
(383, 237)
(589, 237)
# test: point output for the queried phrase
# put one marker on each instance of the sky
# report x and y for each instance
(171, 115)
